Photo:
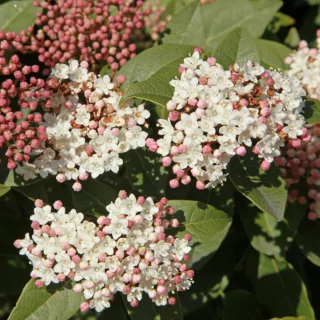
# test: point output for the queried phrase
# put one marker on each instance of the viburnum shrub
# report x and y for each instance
(208, 120)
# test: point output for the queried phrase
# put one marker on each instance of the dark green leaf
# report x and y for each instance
(93, 198)
(17, 271)
(308, 240)
(238, 46)
(212, 279)
(117, 311)
(147, 310)
(240, 304)
(279, 288)
(266, 234)
(265, 188)
(145, 172)
(52, 302)
(206, 25)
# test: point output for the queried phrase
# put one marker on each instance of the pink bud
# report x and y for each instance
(241, 151)
(84, 306)
(38, 203)
(265, 165)
(77, 186)
(174, 183)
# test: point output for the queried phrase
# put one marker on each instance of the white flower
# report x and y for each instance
(112, 161)
(103, 85)
(27, 170)
(117, 227)
(61, 71)
(42, 215)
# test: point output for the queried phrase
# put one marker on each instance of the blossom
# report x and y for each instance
(82, 138)
(127, 251)
(216, 113)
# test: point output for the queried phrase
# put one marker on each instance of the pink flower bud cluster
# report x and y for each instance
(305, 64)
(86, 30)
(154, 20)
(20, 133)
(127, 251)
(84, 126)
(303, 161)
(216, 113)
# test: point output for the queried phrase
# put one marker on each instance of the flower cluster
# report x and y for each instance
(305, 64)
(83, 130)
(127, 251)
(17, 83)
(88, 30)
(154, 20)
(216, 113)
(301, 160)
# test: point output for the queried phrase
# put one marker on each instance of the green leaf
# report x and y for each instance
(174, 6)
(206, 224)
(291, 318)
(313, 2)
(17, 15)
(278, 287)
(147, 310)
(221, 198)
(240, 304)
(149, 73)
(145, 172)
(238, 46)
(308, 240)
(280, 20)
(265, 188)
(206, 25)
(272, 54)
(267, 235)
(52, 302)
(292, 38)
(4, 190)
(312, 111)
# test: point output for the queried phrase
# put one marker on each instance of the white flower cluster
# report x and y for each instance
(215, 114)
(86, 127)
(127, 251)
(305, 64)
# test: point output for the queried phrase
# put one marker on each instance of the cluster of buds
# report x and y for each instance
(83, 129)
(17, 92)
(127, 251)
(154, 18)
(216, 113)
(301, 160)
(305, 64)
(88, 30)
